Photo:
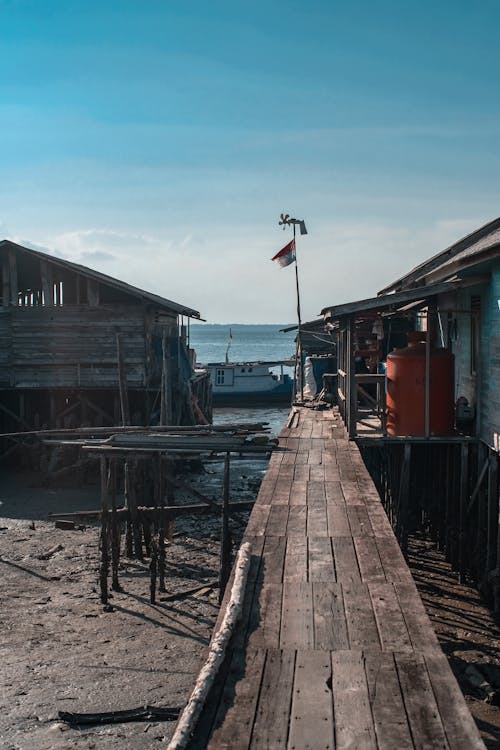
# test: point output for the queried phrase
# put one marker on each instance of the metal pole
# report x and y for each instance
(301, 366)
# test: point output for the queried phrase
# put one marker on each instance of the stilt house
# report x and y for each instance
(79, 348)
(429, 432)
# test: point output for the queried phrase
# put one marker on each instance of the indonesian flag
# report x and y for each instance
(286, 255)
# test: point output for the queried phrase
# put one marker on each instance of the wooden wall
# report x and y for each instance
(73, 346)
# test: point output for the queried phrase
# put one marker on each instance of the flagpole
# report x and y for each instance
(283, 255)
(299, 348)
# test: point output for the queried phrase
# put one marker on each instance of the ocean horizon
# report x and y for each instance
(247, 342)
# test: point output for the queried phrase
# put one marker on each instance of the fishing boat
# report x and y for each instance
(250, 383)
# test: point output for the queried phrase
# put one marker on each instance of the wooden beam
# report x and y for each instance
(122, 383)
(5, 281)
(14, 286)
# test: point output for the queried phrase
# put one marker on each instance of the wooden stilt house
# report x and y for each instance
(79, 348)
(441, 476)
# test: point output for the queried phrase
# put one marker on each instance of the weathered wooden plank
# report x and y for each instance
(298, 493)
(338, 522)
(392, 559)
(297, 630)
(317, 473)
(420, 703)
(369, 562)
(417, 621)
(361, 624)
(459, 726)
(273, 709)
(321, 564)
(388, 710)
(350, 490)
(235, 716)
(316, 495)
(391, 625)
(330, 626)
(281, 494)
(359, 521)
(277, 521)
(346, 562)
(311, 719)
(296, 559)
(264, 623)
(333, 492)
(353, 718)
(331, 469)
(297, 520)
(258, 520)
(273, 558)
(317, 523)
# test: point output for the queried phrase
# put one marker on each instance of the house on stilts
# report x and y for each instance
(80, 348)
(417, 385)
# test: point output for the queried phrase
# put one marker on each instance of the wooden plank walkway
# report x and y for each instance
(334, 649)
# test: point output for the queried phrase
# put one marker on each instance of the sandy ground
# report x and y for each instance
(60, 652)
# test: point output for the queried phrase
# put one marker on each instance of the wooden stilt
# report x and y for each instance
(104, 540)
(225, 553)
(115, 528)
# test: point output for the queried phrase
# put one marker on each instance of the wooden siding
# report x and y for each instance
(72, 346)
(490, 360)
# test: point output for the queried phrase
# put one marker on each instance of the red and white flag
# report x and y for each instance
(286, 255)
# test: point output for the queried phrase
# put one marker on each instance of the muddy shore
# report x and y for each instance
(60, 652)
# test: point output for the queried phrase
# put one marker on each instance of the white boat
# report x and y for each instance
(255, 383)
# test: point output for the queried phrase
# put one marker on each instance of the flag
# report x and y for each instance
(286, 255)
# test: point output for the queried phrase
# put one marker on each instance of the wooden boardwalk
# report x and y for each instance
(334, 649)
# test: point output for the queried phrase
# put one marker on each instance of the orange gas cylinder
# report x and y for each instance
(406, 389)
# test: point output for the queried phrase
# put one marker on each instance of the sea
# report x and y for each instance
(247, 343)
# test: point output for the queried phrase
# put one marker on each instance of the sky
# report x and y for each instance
(159, 141)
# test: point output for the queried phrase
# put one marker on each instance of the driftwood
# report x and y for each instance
(146, 713)
(193, 591)
(217, 651)
(51, 552)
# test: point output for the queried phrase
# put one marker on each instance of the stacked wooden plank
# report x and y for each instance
(334, 649)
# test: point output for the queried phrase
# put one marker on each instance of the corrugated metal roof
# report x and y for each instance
(481, 240)
(109, 280)
(397, 299)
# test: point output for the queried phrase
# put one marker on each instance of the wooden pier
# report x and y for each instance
(334, 649)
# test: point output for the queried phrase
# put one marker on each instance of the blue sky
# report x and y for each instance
(159, 141)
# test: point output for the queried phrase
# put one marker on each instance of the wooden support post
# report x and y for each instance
(427, 405)
(115, 528)
(14, 287)
(153, 567)
(104, 567)
(47, 283)
(225, 548)
(129, 532)
(161, 524)
(352, 403)
(5, 281)
(166, 385)
(122, 383)
(492, 517)
(404, 500)
(462, 510)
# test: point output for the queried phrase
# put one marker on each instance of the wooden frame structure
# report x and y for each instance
(79, 348)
